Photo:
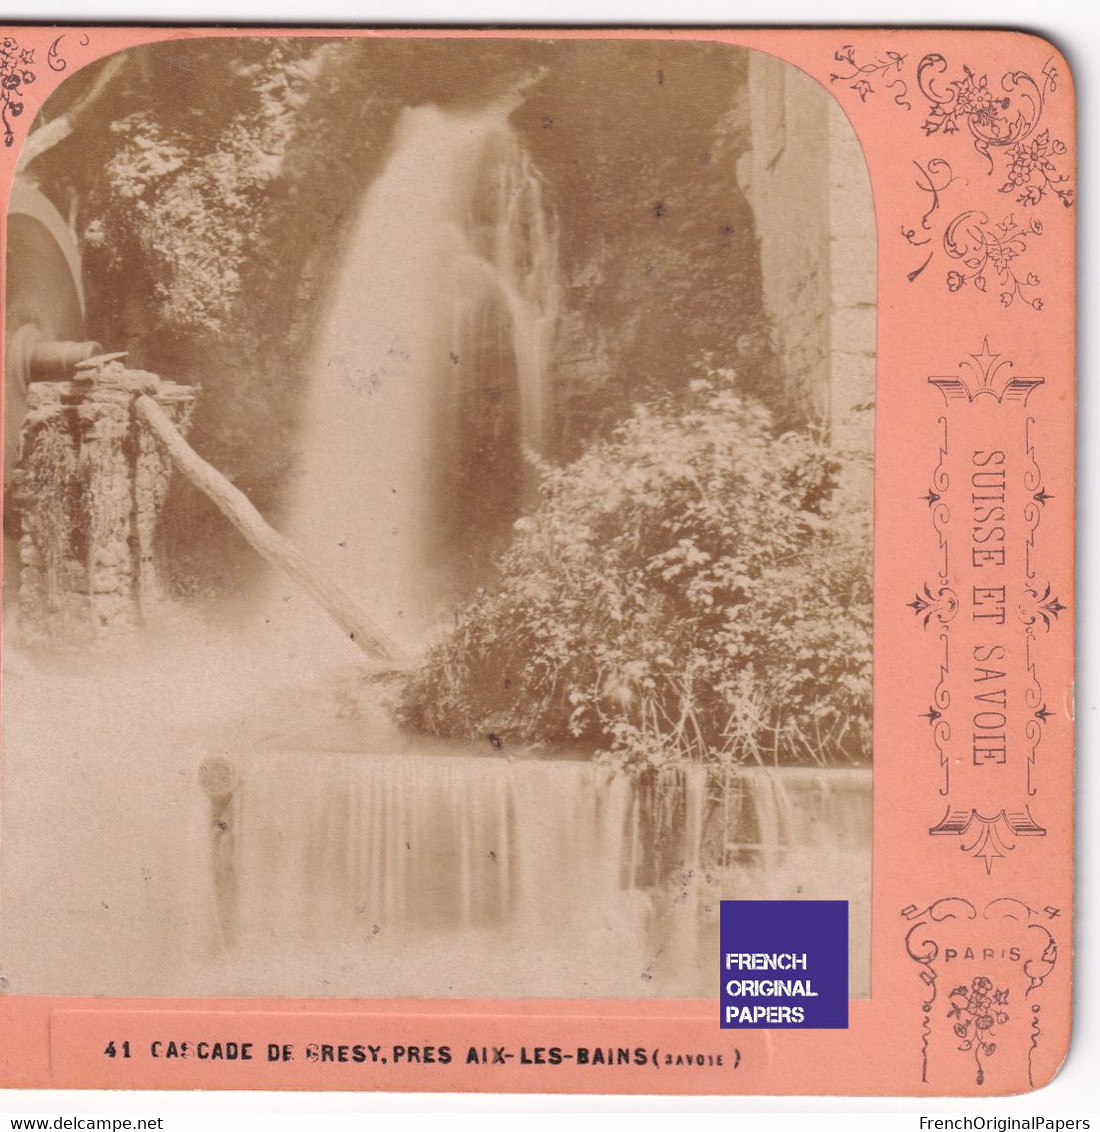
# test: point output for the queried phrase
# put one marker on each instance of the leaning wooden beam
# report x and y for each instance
(344, 610)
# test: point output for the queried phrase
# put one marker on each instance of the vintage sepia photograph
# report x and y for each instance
(437, 517)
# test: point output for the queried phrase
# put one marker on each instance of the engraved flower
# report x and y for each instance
(976, 1005)
(1026, 157)
(955, 280)
(973, 99)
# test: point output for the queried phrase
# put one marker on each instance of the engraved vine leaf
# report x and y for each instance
(887, 66)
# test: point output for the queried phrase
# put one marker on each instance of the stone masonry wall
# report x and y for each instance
(807, 182)
(90, 487)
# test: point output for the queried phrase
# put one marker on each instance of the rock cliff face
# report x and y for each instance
(639, 144)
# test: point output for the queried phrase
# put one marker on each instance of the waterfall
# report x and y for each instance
(429, 375)
(209, 863)
(456, 874)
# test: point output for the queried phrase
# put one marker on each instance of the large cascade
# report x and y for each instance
(429, 376)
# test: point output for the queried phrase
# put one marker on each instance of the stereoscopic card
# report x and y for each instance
(537, 560)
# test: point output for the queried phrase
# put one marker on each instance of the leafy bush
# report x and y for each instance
(694, 587)
(185, 190)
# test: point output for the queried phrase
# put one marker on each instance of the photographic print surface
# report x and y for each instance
(447, 496)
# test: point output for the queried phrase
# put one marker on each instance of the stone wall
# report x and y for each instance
(89, 489)
(806, 179)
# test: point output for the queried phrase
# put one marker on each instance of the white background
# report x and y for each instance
(1075, 29)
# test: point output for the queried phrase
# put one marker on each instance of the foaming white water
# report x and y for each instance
(466, 875)
(161, 840)
(428, 378)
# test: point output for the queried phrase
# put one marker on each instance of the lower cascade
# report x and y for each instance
(456, 874)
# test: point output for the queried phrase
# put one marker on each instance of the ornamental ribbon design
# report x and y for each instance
(990, 608)
(997, 957)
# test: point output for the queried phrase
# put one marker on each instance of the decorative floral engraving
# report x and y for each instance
(1034, 172)
(1001, 117)
(986, 374)
(967, 100)
(1035, 606)
(978, 1008)
(987, 252)
(924, 948)
(1005, 119)
(941, 605)
(991, 838)
(16, 73)
(1004, 123)
(888, 66)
